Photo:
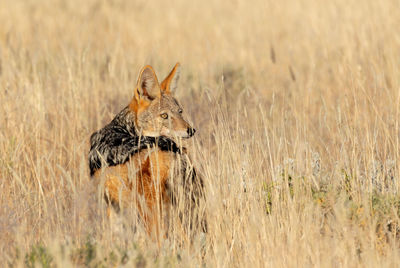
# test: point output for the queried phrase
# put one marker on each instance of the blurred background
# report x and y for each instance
(296, 104)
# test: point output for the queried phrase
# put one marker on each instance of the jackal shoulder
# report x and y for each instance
(118, 141)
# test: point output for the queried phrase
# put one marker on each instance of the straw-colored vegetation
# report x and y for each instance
(297, 108)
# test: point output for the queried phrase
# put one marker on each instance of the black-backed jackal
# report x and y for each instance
(138, 159)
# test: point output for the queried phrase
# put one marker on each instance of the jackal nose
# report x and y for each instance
(191, 131)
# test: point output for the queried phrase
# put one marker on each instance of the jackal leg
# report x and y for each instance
(152, 206)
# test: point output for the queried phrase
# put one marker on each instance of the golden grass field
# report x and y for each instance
(297, 108)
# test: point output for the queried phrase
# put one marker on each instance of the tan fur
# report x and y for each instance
(143, 177)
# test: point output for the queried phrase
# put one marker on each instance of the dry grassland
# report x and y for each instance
(297, 108)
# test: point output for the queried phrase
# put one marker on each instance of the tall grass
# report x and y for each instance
(296, 104)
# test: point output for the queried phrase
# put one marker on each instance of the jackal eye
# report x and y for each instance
(180, 111)
(164, 115)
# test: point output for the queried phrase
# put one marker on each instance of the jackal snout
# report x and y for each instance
(191, 131)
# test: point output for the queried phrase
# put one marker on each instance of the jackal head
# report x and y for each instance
(156, 110)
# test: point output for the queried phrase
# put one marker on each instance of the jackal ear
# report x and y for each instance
(170, 83)
(147, 85)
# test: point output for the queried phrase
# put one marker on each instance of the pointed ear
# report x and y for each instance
(147, 85)
(170, 83)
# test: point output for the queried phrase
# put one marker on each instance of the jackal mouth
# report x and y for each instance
(180, 134)
(185, 136)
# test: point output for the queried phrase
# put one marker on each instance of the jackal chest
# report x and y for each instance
(147, 174)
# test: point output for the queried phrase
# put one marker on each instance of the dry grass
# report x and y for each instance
(297, 105)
